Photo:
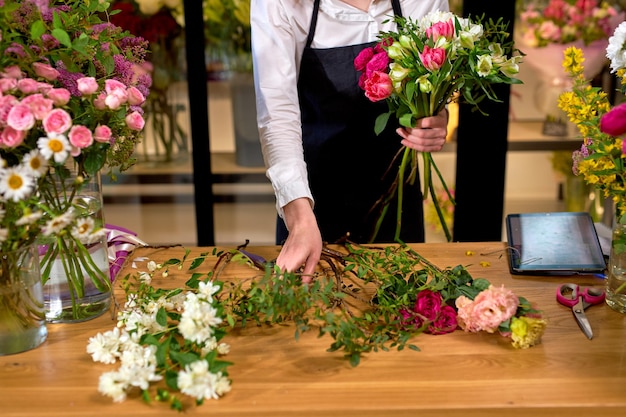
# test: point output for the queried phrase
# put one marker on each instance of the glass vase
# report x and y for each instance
(616, 281)
(74, 261)
(22, 318)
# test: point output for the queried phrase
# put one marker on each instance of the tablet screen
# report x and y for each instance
(552, 243)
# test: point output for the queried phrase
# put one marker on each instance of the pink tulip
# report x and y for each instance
(378, 86)
(432, 58)
(441, 30)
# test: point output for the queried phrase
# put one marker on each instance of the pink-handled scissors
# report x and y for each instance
(572, 296)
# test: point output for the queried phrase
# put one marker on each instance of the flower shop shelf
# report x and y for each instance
(273, 374)
(173, 182)
(527, 136)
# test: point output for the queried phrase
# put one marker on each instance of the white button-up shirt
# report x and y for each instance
(279, 33)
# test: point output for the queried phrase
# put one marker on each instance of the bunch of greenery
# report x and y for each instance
(367, 299)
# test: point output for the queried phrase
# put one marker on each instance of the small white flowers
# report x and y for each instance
(16, 184)
(164, 330)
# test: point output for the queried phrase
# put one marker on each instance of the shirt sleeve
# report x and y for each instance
(278, 38)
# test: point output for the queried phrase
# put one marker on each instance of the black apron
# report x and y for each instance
(347, 162)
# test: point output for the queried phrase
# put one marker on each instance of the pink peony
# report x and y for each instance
(21, 117)
(57, 121)
(135, 121)
(614, 122)
(378, 86)
(45, 71)
(379, 62)
(80, 136)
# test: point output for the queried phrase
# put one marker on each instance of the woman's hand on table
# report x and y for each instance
(303, 247)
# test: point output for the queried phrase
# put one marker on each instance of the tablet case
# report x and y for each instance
(555, 243)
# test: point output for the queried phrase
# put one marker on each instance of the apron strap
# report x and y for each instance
(397, 10)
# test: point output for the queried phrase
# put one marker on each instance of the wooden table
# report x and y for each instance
(458, 374)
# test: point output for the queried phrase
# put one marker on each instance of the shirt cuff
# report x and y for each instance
(290, 182)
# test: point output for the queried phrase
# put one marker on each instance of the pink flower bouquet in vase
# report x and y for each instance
(419, 69)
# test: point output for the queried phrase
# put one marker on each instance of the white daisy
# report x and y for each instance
(16, 184)
(36, 164)
(58, 223)
(56, 146)
(82, 228)
(29, 218)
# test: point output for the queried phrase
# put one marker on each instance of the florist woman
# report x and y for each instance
(327, 166)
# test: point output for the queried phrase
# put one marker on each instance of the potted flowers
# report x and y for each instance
(71, 106)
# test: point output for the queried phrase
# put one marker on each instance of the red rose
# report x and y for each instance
(361, 60)
(428, 304)
(445, 322)
(614, 122)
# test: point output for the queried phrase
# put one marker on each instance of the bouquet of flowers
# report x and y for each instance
(565, 21)
(70, 101)
(419, 68)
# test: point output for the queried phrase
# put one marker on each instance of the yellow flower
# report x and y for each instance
(573, 61)
(527, 331)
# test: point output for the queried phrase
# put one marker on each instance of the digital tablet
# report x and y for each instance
(561, 243)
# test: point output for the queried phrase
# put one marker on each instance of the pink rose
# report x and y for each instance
(99, 102)
(135, 121)
(379, 62)
(103, 134)
(39, 105)
(80, 136)
(12, 71)
(614, 122)
(57, 121)
(28, 85)
(87, 85)
(361, 60)
(60, 96)
(45, 71)
(11, 138)
(112, 85)
(441, 30)
(7, 84)
(432, 58)
(378, 86)
(135, 97)
(428, 304)
(445, 322)
(21, 117)
(115, 99)
(6, 104)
